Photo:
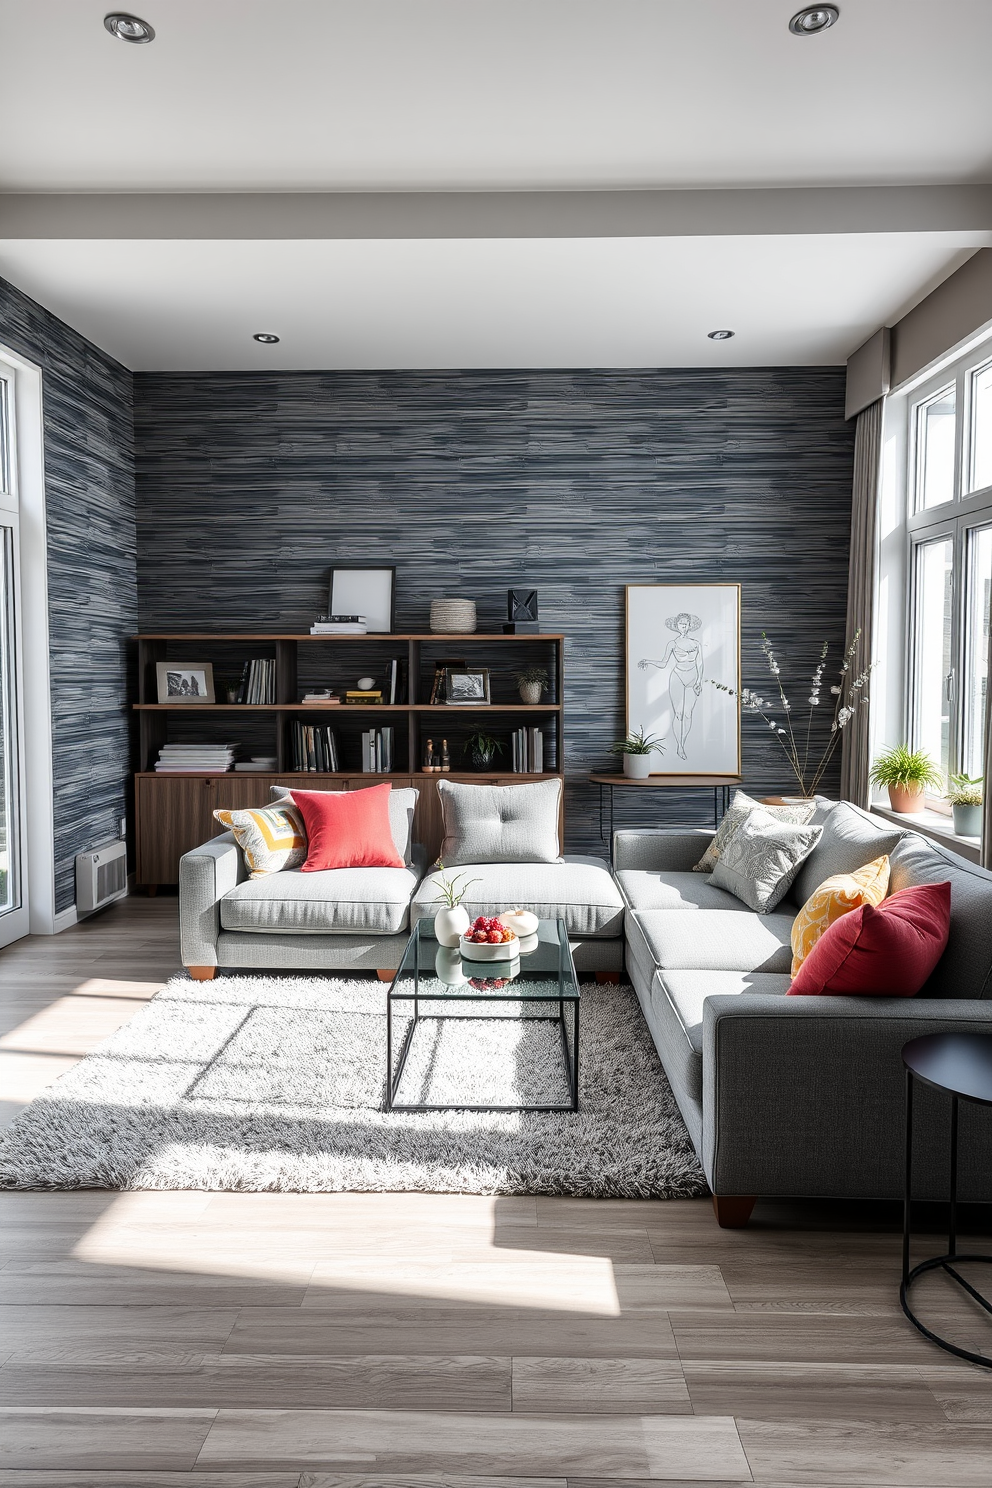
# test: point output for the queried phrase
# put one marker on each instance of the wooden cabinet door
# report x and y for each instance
(173, 815)
(237, 792)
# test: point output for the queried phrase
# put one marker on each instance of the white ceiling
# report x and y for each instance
(482, 303)
(409, 94)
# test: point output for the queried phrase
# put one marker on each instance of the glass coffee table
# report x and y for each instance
(434, 985)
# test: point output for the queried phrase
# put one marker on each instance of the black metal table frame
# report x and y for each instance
(721, 800)
(941, 1262)
(570, 1056)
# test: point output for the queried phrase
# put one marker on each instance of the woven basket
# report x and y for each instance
(453, 616)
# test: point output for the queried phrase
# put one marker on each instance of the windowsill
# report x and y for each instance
(935, 825)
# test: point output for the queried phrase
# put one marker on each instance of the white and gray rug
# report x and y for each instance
(260, 1083)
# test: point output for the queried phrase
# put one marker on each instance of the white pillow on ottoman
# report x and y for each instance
(762, 858)
(500, 823)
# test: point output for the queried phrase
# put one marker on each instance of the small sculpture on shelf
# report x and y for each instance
(430, 759)
(521, 612)
(445, 758)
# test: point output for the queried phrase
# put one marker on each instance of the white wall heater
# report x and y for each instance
(101, 877)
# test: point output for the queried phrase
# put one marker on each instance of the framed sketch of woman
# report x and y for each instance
(680, 637)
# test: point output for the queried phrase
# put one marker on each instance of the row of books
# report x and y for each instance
(315, 748)
(377, 751)
(528, 751)
(195, 759)
(258, 682)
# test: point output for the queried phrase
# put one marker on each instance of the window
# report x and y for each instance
(949, 525)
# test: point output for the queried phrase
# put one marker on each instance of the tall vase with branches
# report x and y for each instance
(796, 738)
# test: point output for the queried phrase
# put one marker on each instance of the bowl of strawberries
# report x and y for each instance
(488, 939)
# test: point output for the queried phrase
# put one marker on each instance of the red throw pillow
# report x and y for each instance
(889, 951)
(348, 829)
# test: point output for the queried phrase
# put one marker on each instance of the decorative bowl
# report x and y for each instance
(521, 921)
(484, 950)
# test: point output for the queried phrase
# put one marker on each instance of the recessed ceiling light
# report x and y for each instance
(813, 19)
(128, 27)
(266, 338)
(721, 335)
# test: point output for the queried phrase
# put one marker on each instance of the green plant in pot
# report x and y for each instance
(906, 773)
(482, 749)
(637, 749)
(532, 681)
(965, 796)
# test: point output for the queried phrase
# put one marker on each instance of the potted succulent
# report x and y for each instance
(451, 921)
(965, 796)
(637, 750)
(532, 681)
(906, 773)
(482, 749)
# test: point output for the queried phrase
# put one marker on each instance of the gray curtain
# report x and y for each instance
(987, 770)
(855, 762)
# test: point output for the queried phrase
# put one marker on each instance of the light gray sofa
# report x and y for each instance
(359, 919)
(801, 1096)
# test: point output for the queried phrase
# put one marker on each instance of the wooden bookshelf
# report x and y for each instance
(174, 812)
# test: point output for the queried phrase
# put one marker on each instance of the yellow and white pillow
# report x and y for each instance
(837, 896)
(271, 837)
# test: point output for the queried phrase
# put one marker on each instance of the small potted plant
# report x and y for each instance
(965, 796)
(482, 748)
(532, 681)
(906, 773)
(637, 750)
(451, 921)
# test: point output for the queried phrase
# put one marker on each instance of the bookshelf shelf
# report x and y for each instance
(174, 811)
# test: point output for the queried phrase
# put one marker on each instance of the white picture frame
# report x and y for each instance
(365, 591)
(680, 640)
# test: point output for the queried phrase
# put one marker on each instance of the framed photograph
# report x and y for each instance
(365, 591)
(466, 688)
(185, 681)
(681, 638)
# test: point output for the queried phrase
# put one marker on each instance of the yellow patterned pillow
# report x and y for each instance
(271, 837)
(837, 896)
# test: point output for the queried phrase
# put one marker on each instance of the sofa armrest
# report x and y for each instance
(205, 875)
(807, 1096)
(660, 849)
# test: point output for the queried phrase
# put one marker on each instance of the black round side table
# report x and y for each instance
(961, 1064)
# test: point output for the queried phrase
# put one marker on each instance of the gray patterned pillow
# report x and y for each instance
(762, 858)
(799, 813)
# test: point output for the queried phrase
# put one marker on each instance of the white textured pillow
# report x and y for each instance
(762, 858)
(797, 812)
(500, 823)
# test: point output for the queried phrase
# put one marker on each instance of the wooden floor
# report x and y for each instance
(349, 1341)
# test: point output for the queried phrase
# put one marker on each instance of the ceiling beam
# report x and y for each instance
(496, 214)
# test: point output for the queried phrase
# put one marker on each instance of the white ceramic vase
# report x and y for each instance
(637, 766)
(450, 925)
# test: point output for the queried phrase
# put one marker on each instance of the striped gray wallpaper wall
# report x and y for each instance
(89, 488)
(250, 486)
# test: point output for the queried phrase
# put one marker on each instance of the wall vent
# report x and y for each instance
(101, 877)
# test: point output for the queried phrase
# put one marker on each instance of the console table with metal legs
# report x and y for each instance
(720, 785)
(961, 1065)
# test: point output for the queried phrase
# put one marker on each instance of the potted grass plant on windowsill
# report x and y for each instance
(965, 796)
(906, 773)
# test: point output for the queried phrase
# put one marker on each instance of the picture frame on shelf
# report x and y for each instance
(185, 682)
(468, 688)
(680, 639)
(356, 589)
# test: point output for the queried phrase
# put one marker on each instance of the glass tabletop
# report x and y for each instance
(542, 972)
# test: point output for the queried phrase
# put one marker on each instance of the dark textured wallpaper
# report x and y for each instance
(89, 487)
(250, 486)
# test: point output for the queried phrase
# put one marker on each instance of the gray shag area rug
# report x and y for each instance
(258, 1083)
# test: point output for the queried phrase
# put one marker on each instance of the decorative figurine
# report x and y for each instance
(521, 612)
(429, 765)
(445, 758)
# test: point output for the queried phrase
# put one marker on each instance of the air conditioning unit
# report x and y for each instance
(101, 877)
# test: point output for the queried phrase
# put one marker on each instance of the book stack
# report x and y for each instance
(315, 748)
(340, 625)
(321, 697)
(364, 696)
(195, 759)
(258, 682)
(528, 751)
(377, 751)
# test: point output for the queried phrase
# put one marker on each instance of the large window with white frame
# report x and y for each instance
(949, 525)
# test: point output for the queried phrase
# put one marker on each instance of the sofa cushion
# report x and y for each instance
(644, 890)
(401, 804)
(965, 968)
(796, 812)
(709, 940)
(835, 897)
(678, 997)
(348, 829)
(888, 951)
(849, 840)
(762, 858)
(581, 890)
(346, 901)
(500, 823)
